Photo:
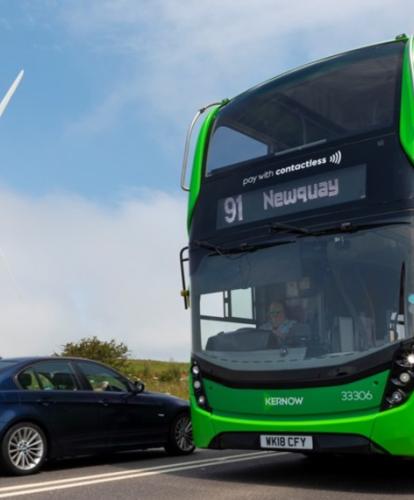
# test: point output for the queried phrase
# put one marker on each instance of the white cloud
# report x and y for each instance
(181, 55)
(79, 269)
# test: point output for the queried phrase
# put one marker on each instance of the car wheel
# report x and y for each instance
(23, 449)
(181, 436)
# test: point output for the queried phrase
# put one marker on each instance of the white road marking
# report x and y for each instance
(60, 484)
(121, 473)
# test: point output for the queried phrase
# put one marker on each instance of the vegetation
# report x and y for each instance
(160, 376)
(111, 353)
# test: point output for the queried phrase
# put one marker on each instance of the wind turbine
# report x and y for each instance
(9, 94)
(3, 105)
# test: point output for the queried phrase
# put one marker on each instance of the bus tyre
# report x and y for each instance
(23, 449)
(180, 441)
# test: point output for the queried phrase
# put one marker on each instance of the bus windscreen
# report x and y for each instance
(343, 96)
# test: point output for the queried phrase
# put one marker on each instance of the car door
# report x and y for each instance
(148, 415)
(130, 419)
(70, 413)
(111, 392)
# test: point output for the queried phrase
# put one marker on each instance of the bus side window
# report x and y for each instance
(211, 304)
(242, 302)
(232, 304)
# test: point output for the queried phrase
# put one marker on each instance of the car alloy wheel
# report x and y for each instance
(181, 437)
(24, 448)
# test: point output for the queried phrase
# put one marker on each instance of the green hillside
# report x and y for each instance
(160, 376)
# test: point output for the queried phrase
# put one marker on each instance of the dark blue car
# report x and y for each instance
(60, 407)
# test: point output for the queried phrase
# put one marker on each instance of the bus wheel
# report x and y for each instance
(180, 440)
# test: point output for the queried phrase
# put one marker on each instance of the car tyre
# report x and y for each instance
(180, 441)
(23, 449)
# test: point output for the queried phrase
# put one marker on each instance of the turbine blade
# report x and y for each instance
(10, 92)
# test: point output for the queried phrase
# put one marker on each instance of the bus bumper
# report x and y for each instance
(388, 432)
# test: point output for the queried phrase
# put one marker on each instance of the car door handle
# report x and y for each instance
(104, 402)
(44, 401)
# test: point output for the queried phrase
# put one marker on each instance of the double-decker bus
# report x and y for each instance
(300, 255)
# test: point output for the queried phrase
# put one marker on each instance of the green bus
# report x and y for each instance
(300, 260)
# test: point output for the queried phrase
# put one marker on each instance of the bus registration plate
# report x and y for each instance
(286, 442)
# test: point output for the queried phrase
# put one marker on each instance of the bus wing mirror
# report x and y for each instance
(185, 292)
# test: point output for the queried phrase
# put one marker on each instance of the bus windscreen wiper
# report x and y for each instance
(343, 227)
(349, 227)
(241, 248)
(217, 249)
(280, 227)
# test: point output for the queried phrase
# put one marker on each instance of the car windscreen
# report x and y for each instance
(345, 95)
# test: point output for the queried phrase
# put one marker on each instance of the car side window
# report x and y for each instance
(28, 381)
(56, 375)
(101, 378)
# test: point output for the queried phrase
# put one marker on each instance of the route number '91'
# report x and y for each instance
(233, 209)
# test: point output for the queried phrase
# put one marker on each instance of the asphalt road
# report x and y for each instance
(215, 475)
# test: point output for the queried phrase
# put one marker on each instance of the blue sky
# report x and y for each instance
(65, 79)
(91, 145)
(110, 86)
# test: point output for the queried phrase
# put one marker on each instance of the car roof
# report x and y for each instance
(36, 358)
(31, 359)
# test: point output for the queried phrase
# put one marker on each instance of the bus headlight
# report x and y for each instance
(198, 387)
(404, 377)
(396, 397)
(201, 400)
(401, 382)
(196, 370)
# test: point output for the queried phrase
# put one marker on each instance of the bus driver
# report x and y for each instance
(285, 332)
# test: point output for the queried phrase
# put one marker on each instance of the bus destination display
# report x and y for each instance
(286, 198)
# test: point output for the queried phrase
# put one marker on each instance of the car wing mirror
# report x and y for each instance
(138, 386)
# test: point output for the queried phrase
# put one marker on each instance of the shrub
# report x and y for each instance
(111, 353)
(171, 374)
